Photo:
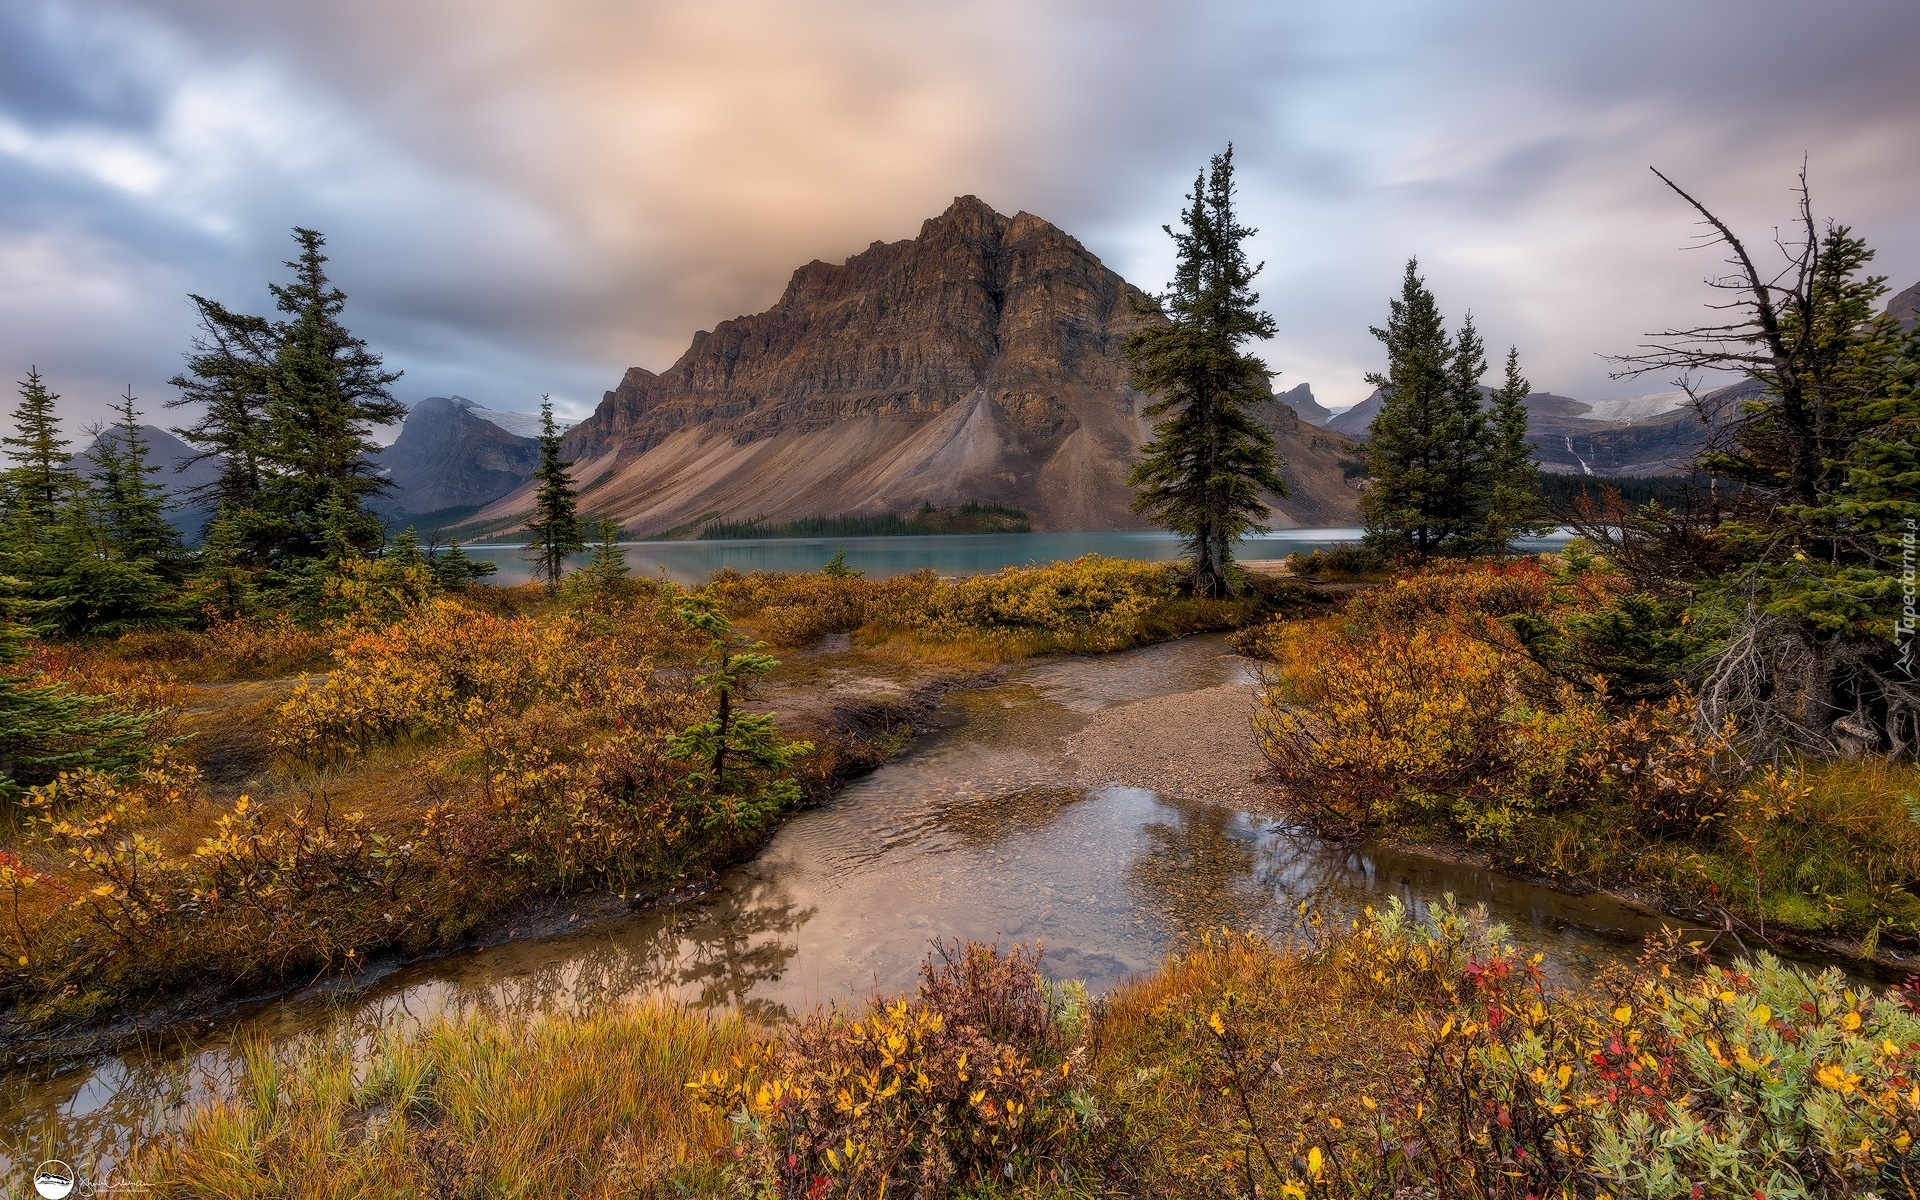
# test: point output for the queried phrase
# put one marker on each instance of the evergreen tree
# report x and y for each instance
(456, 570)
(1817, 642)
(608, 566)
(288, 407)
(46, 729)
(326, 391)
(227, 380)
(1467, 488)
(404, 549)
(132, 506)
(88, 586)
(742, 773)
(1413, 442)
(1203, 473)
(224, 584)
(555, 525)
(1515, 507)
(42, 476)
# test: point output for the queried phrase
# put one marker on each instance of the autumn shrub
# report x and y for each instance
(264, 896)
(1337, 562)
(450, 665)
(123, 683)
(1821, 847)
(967, 1083)
(249, 647)
(795, 610)
(1421, 1054)
(1725, 1081)
(551, 755)
(1415, 706)
(1469, 591)
(1091, 604)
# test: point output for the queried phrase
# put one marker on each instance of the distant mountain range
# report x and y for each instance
(979, 362)
(1906, 306)
(1654, 434)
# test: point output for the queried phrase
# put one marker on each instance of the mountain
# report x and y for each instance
(1906, 306)
(979, 361)
(179, 473)
(453, 456)
(1300, 399)
(1655, 434)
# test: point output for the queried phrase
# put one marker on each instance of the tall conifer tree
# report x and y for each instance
(41, 478)
(555, 526)
(132, 506)
(1204, 472)
(328, 390)
(1412, 442)
(1467, 488)
(227, 381)
(288, 406)
(1515, 507)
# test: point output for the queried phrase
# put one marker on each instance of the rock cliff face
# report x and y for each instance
(980, 361)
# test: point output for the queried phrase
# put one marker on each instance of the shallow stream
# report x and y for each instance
(997, 827)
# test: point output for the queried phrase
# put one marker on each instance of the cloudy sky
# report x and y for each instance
(531, 195)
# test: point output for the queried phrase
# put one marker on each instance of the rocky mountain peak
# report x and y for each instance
(978, 361)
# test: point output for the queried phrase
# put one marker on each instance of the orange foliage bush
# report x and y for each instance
(1414, 704)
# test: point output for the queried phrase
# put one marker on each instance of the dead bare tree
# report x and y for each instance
(1801, 555)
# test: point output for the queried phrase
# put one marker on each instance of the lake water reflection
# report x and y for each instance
(880, 557)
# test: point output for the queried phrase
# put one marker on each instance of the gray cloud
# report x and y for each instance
(525, 198)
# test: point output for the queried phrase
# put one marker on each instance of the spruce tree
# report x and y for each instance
(456, 570)
(1412, 444)
(224, 584)
(555, 525)
(88, 586)
(608, 566)
(42, 476)
(1467, 488)
(1515, 507)
(326, 392)
(132, 506)
(1204, 472)
(1808, 588)
(288, 407)
(46, 729)
(227, 381)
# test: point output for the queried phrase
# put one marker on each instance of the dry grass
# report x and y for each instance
(583, 1108)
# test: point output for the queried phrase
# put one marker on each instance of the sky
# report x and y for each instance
(528, 196)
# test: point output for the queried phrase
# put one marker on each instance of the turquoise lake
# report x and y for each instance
(948, 554)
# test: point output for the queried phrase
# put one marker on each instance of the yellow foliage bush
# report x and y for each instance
(1090, 605)
(963, 1084)
(451, 665)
